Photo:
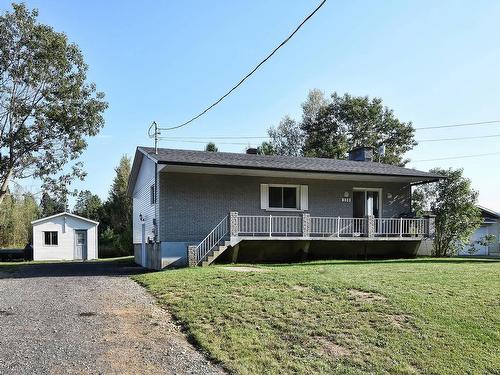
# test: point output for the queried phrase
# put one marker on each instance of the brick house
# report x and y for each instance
(191, 207)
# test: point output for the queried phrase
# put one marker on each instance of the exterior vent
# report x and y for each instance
(252, 151)
(361, 154)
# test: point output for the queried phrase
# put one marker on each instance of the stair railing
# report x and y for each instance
(212, 240)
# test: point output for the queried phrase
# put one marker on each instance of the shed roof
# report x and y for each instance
(64, 214)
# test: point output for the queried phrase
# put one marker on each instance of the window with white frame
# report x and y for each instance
(50, 238)
(284, 197)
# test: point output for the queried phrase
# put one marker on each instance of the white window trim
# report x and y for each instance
(379, 190)
(43, 238)
(278, 209)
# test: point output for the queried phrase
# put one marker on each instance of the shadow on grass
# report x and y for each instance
(354, 262)
(124, 266)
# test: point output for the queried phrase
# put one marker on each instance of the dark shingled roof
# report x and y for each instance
(285, 163)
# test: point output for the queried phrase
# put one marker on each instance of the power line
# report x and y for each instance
(458, 157)
(459, 138)
(205, 139)
(458, 125)
(193, 141)
(249, 74)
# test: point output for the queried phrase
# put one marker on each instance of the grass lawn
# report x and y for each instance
(431, 316)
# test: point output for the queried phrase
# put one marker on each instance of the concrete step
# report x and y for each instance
(214, 255)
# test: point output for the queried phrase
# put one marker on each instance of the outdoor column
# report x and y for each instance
(306, 225)
(371, 226)
(234, 228)
(431, 226)
(191, 255)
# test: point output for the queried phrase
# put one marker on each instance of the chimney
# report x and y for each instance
(361, 154)
(251, 151)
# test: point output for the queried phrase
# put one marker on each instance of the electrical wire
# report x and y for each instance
(249, 74)
(457, 157)
(458, 125)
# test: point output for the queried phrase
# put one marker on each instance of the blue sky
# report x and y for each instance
(434, 63)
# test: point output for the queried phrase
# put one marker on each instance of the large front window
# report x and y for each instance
(283, 197)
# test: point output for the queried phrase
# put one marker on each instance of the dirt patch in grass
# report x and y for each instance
(361, 295)
(400, 320)
(330, 348)
(300, 288)
(245, 269)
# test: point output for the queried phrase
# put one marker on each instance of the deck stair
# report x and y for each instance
(214, 254)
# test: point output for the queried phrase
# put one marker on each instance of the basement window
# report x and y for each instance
(50, 238)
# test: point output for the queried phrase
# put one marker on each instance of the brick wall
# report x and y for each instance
(192, 204)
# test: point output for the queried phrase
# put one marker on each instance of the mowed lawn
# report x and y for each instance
(430, 316)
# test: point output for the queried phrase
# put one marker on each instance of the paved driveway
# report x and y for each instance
(88, 318)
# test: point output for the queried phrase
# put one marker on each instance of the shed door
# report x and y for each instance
(81, 244)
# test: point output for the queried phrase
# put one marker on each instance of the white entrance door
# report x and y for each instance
(81, 244)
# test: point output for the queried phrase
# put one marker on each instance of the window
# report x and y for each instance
(153, 194)
(284, 197)
(50, 238)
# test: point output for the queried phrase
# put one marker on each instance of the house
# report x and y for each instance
(490, 226)
(190, 207)
(65, 236)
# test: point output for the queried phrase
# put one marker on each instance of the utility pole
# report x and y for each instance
(156, 136)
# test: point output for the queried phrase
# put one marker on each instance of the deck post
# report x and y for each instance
(234, 225)
(401, 227)
(371, 226)
(191, 255)
(338, 226)
(306, 225)
(431, 225)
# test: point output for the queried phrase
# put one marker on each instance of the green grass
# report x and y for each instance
(439, 316)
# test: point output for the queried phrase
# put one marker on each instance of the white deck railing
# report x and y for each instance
(338, 226)
(392, 227)
(321, 226)
(252, 225)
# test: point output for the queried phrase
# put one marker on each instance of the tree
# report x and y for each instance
(454, 203)
(47, 108)
(211, 147)
(17, 211)
(88, 205)
(287, 138)
(346, 122)
(118, 209)
(51, 206)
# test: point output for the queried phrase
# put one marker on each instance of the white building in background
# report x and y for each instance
(65, 236)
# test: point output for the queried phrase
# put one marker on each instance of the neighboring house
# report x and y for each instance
(65, 236)
(490, 226)
(190, 207)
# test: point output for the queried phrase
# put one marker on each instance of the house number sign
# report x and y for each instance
(346, 200)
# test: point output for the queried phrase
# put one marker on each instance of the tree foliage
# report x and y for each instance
(287, 138)
(454, 203)
(211, 147)
(52, 205)
(17, 211)
(329, 128)
(88, 205)
(47, 108)
(117, 210)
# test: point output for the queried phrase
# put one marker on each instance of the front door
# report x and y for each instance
(365, 203)
(81, 244)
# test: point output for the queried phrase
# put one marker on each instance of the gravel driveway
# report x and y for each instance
(88, 318)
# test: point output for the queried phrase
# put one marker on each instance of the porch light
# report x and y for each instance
(346, 194)
(389, 195)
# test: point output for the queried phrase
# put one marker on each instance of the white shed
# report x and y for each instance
(65, 236)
